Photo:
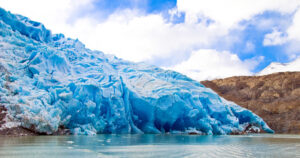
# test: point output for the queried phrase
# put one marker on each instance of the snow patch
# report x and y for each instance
(281, 67)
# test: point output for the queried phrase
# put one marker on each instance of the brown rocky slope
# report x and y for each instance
(274, 97)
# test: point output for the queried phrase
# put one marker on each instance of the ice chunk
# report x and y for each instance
(25, 26)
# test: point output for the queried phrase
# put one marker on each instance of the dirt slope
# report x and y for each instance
(274, 97)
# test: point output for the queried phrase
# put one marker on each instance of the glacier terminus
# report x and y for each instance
(48, 82)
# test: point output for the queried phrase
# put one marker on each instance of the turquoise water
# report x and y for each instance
(157, 146)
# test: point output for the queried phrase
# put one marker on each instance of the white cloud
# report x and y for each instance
(294, 29)
(274, 38)
(290, 36)
(294, 36)
(137, 37)
(230, 12)
(206, 64)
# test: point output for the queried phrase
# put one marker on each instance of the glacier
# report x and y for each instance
(48, 82)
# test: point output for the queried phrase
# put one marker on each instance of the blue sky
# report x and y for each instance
(202, 39)
(252, 33)
(149, 6)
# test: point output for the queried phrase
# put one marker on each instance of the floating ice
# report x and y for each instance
(49, 81)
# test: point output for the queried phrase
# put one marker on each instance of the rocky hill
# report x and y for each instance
(274, 97)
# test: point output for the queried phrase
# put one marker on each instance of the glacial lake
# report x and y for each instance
(190, 146)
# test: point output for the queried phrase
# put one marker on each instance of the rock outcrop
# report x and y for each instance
(274, 97)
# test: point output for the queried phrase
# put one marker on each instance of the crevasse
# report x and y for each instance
(48, 82)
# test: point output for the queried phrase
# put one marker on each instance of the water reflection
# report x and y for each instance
(151, 146)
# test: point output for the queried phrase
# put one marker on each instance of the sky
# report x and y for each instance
(203, 39)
